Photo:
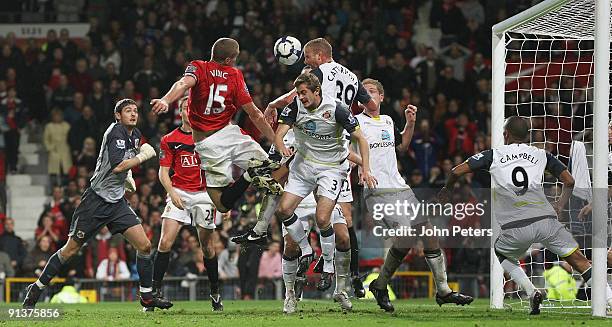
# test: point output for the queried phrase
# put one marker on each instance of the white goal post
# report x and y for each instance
(552, 56)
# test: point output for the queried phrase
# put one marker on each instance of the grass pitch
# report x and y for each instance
(421, 312)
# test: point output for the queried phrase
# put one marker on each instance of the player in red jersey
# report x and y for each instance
(216, 91)
(186, 204)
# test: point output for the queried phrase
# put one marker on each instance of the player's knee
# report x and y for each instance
(165, 244)
(343, 241)
(283, 213)
(70, 249)
(291, 250)
(209, 251)
(144, 247)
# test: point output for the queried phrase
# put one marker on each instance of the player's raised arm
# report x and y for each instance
(354, 158)
(559, 170)
(478, 161)
(257, 117)
(366, 177)
(408, 131)
(286, 120)
(146, 152)
(177, 91)
(284, 100)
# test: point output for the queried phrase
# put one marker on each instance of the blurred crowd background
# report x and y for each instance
(433, 54)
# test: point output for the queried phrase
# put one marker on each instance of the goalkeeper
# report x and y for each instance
(103, 204)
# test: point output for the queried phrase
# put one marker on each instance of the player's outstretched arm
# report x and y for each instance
(281, 131)
(568, 186)
(146, 152)
(257, 117)
(364, 149)
(166, 182)
(178, 89)
(284, 100)
(458, 171)
(354, 158)
(408, 131)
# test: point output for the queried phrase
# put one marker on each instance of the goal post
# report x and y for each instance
(551, 63)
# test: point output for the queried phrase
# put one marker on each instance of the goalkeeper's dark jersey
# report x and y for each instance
(117, 145)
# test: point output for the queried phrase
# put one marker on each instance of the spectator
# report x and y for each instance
(56, 143)
(14, 113)
(147, 77)
(6, 268)
(228, 260)
(270, 263)
(36, 260)
(87, 157)
(13, 245)
(84, 128)
(99, 247)
(110, 55)
(47, 229)
(112, 268)
(427, 72)
(63, 96)
(81, 80)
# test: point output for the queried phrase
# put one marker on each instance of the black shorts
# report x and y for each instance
(94, 213)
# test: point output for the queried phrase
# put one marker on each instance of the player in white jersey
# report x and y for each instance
(306, 212)
(521, 207)
(320, 162)
(340, 83)
(379, 131)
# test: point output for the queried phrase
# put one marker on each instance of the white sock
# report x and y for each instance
(296, 231)
(290, 267)
(328, 245)
(269, 204)
(343, 269)
(519, 276)
(146, 289)
(437, 265)
(40, 285)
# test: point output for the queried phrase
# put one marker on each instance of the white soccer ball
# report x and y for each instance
(288, 50)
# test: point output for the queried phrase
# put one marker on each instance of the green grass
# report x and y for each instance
(421, 312)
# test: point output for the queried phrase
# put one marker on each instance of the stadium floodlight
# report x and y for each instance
(551, 64)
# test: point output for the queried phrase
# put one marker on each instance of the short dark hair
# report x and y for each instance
(124, 103)
(517, 127)
(224, 48)
(311, 81)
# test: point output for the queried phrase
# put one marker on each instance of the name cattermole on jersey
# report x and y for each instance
(411, 210)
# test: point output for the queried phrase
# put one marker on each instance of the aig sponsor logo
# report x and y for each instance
(188, 160)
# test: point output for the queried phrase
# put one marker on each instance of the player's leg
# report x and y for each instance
(378, 287)
(52, 268)
(137, 237)
(226, 147)
(291, 253)
(169, 230)
(207, 239)
(347, 212)
(436, 260)
(85, 224)
(561, 242)
(342, 260)
(286, 213)
(509, 247)
(259, 233)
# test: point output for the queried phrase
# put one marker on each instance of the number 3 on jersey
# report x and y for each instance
(214, 96)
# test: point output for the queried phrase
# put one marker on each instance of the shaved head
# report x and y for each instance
(517, 128)
(224, 48)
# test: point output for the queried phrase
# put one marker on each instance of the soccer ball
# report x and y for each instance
(288, 50)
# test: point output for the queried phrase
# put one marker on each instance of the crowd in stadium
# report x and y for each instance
(68, 90)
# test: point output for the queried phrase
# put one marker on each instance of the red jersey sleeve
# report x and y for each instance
(195, 70)
(166, 156)
(241, 95)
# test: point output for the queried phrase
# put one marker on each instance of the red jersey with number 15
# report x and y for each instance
(177, 152)
(218, 92)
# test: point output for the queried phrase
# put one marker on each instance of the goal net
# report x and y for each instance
(548, 60)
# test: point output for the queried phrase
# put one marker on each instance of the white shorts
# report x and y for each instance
(227, 147)
(375, 204)
(346, 194)
(305, 176)
(513, 243)
(306, 214)
(199, 210)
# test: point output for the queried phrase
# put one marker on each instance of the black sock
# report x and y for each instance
(160, 266)
(54, 265)
(232, 193)
(354, 252)
(212, 270)
(144, 265)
